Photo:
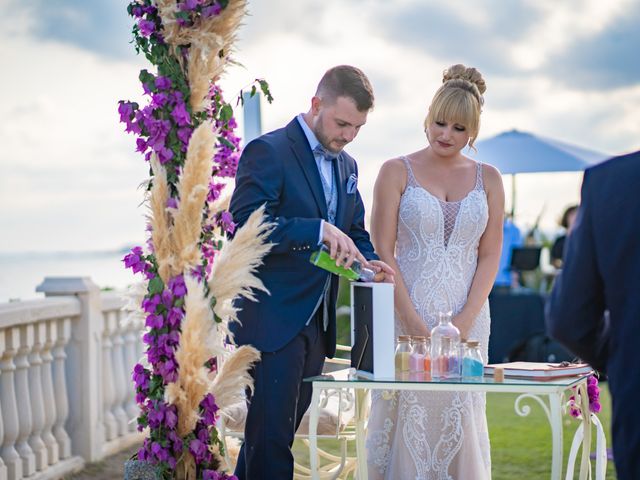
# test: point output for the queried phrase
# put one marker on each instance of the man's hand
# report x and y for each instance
(384, 273)
(341, 247)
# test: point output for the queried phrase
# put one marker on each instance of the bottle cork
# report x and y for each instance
(498, 374)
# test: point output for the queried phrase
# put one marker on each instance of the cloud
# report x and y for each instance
(607, 60)
(103, 27)
(70, 174)
(477, 34)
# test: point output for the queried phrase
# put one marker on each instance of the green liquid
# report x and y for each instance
(322, 259)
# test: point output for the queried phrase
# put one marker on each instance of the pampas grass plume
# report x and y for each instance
(193, 188)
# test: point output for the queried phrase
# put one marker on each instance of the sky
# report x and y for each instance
(70, 176)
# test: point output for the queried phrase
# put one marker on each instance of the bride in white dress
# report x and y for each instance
(437, 221)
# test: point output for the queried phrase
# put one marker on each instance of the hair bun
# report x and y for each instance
(468, 74)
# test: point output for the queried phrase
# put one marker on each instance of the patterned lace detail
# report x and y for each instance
(435, 435)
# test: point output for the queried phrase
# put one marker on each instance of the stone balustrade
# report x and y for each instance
(66, 395)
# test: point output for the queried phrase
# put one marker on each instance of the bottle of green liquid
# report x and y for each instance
(321, 258)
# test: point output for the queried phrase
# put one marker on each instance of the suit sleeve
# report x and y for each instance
(259, 181)
(575, 312)
(357, 231)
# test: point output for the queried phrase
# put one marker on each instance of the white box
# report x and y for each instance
(372, 330)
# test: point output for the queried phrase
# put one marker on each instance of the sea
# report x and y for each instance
(21, 273)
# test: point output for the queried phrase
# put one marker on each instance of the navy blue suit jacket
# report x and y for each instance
(601, 271)
(278, 170)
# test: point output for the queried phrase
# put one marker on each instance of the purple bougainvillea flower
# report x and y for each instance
(172, 203)
(184, 134)
(171, 418)
(177, 286)
(168, 370)
(159, 100)
(198, 449)
(210, 408)
(141, 145)
(190, 4)
(140, 398)
(211, 10)
(140, 377)
(146, 27)
(167, 298)
(181, 115)
(154, 321)
(210, 475)
(125, 109)
(155, 416)
(175, 441)
(149, 304)
(225, 220)
(160, 453)
(163, 83)
(174, 317)
(137, 12)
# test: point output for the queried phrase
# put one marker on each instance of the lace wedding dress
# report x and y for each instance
(434, 435)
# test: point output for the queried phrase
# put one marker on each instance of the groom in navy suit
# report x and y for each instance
(601, 273)
(308, 185)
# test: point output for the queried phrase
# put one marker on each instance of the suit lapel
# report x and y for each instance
(303, 154)
(340, 175)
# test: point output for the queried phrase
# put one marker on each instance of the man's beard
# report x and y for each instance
(324, 140)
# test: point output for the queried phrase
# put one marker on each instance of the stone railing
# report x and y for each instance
(66, 395)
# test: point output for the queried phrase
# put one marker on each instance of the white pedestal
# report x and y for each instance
(372, 330)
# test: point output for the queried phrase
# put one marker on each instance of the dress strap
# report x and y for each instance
(479, 181)
(411, 179)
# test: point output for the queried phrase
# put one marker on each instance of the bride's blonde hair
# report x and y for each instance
(459, 99)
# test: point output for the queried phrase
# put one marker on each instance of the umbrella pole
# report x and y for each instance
(513, 196)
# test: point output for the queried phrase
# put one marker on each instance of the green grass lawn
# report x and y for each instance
(520, 446)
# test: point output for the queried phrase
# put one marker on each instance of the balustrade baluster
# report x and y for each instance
(3, 467)
(131, 339)
(108, 394)
(25, 420)
(61, 338)
(9, 341)
(37, 401)
(47, 392)
(119, 377)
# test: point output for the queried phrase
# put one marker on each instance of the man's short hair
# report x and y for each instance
(347, 81)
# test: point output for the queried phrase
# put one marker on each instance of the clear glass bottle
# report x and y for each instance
(321, 258)
(445, 344)
(472, 364)
(440, 352)
(418, 354)
(403, 351)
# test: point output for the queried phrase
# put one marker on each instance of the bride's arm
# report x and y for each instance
(488, 252)
(388, 189)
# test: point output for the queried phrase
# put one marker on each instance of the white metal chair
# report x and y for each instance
(336, 421)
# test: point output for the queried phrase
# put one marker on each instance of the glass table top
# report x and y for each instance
(348, 375)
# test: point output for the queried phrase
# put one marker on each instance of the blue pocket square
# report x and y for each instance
(352, 184)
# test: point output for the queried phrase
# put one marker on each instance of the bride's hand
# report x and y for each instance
(463, 325)
(416, 326)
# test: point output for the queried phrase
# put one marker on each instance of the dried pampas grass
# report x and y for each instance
(195, 348)
(233, 379)
(193, 189)
(160, 221)
(210, 39)
(233, 272)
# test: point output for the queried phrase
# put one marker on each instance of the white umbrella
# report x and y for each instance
(521, 152)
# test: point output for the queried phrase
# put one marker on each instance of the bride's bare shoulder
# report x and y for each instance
(393, 171)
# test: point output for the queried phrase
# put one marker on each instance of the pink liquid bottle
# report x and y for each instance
(418, 354)
(445, 341)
